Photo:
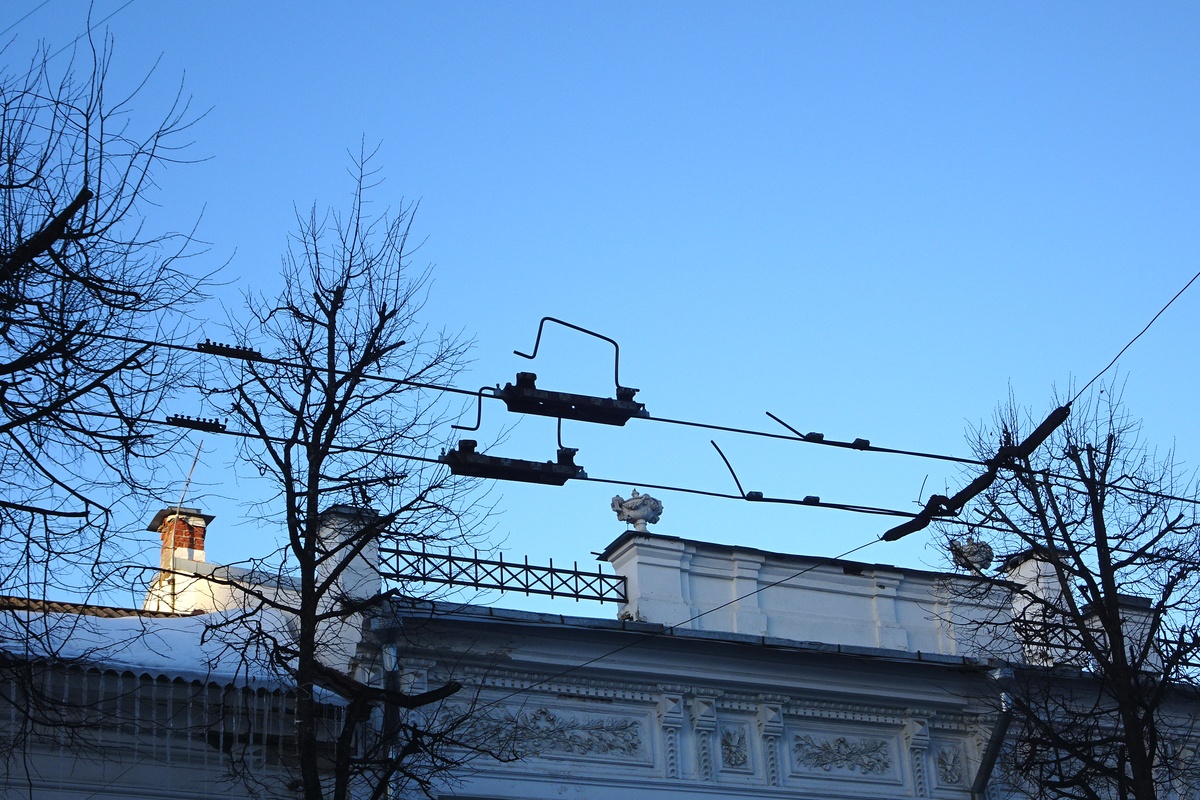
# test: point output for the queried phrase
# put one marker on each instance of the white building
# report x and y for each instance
(728, 672)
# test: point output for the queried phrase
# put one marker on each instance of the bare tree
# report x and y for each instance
(1101, 546)
(81, 278)
(85, 284)
(350, 454)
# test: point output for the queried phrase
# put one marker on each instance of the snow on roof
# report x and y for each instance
(230, 649)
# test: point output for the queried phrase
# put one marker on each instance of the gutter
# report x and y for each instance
(999, 731)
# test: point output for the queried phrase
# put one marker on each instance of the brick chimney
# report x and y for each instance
(182, 531)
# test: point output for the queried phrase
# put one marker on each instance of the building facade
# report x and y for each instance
(727, 672)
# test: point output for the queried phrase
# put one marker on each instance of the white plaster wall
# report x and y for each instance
(710, 587)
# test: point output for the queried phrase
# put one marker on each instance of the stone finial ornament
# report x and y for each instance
(971, 553)
(638, 509)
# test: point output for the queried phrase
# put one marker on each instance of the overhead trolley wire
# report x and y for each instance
(793, 437)
(937, 507)
(799, 437)
(1154, 319)
(285, 440)
(1035, 439)
(1009, 455)
(91, 26)
(27, 15)
(236, 353)
(230, 353)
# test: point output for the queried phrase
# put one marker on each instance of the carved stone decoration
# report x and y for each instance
(916, 733)
(771, 758)
(704, 722)
(532, 733)
(916, 736)
(670, 718)
(868, 756)
(414, 674)
(639, 509)
(770, 727)
(735, 749)
(971, 553)
(920, 779)
(622, 736)
(670, 709)
(704, 754)
(950, 765)
(671, 752)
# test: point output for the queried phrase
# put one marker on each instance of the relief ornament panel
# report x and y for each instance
(868, 756)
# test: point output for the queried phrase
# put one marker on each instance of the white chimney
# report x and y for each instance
(1037, 608)
(340, 530)
(1136, 617)
(340, 527)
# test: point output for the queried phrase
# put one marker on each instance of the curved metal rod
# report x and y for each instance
(560, 444)
(478, 411)
(537, 343)
(730, 468)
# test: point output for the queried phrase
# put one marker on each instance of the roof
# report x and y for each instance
(157, 522)
(215, 647)
(10, 603)
(468, 614)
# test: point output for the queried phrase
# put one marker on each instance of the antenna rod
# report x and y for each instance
(178, 510)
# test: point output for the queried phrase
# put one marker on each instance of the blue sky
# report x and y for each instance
(872, 219)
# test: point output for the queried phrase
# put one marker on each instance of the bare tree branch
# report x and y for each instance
(326, 440)
(1105, 588)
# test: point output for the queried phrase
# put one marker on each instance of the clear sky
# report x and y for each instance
(872, 219)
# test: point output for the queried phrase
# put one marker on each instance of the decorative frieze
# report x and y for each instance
(550, 732)
(868, 756)
(846, 712)
(521, 680)
(540, 732)
(705, 734)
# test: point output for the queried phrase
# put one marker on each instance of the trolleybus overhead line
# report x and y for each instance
(525, 397)
(520, 397)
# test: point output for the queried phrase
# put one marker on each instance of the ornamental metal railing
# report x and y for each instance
(506, 576)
